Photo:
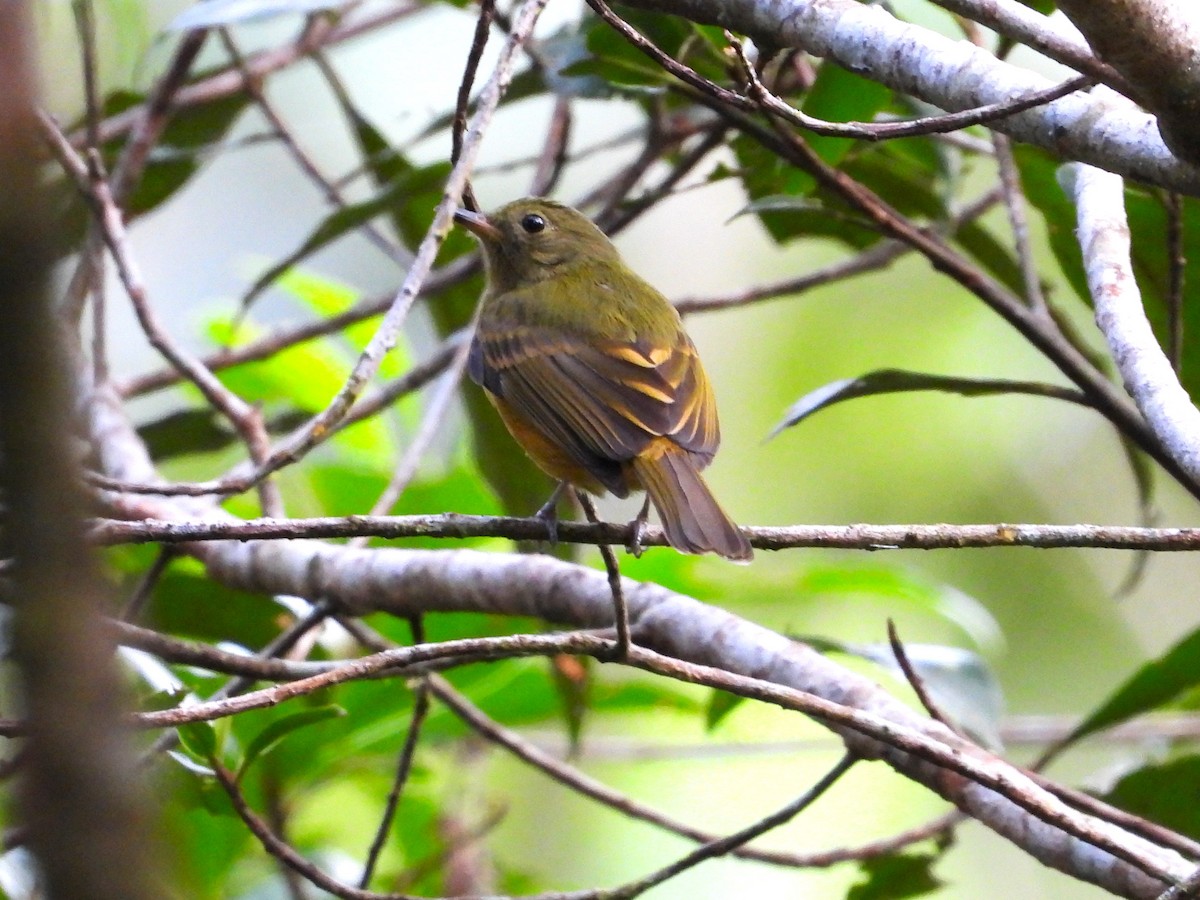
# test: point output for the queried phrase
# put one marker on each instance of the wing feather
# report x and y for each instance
(601, 402)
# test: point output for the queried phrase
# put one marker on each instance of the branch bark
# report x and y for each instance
(1144, 367)
(1109, 132)
(1155, 45)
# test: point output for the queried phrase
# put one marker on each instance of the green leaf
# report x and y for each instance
(912, 183)
(992, 254)
(815, 217)
(412, 216)
(562, 50)
(345, 489)
(274, 734)
(304, 377)
(328, 298)
(668, 33)
(789, 204)
(573, 683)
(193, 131)
(199, 739)
(1154, 685)
(1164, 793)
(894, 381)
(896, 876)
(900, 586)
(191, 431)
(720, 704)
(186, 603)
(839, 95)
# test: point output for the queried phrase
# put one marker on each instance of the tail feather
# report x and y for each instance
(691, 517)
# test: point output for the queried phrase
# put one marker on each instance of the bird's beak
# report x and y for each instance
(478, 225)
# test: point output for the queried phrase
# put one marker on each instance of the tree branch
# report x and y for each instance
(1110, 133)
(1148, 374)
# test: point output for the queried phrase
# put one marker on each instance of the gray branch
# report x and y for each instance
(1144, 367)
(1109, 132)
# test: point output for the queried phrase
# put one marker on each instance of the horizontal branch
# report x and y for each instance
(454, 526)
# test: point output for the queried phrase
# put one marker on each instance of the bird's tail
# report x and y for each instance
(691, 517)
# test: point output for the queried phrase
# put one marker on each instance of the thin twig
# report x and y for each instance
(364, 369)
(1134, 824)
(553, 158)
(277, 820)
(1014, 204)
(283, 338)
(870, 260)
(253, 88)
(226, 82)
(246, 419)
(146, 129)
(483, 25)
(284, 852)
(85, 23)
(1019, 23)
(147, 583)
(916, 682)
(1176, 269)
(1034, 327)
(620, 609)
(977, 767)
(581, 783)
(435, 412)
(281, 644)
(722, 846)
(404, 765)
(628, 211)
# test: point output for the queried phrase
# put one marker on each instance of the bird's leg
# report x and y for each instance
(549, 512)
(637, 528)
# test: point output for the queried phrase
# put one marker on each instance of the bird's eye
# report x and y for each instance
(533, 223)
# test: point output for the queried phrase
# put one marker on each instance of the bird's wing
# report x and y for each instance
(601, 401)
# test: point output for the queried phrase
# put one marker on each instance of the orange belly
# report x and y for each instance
(549, 456)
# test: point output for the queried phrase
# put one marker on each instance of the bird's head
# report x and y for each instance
(534, 239)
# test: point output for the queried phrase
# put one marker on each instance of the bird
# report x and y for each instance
(591, 371)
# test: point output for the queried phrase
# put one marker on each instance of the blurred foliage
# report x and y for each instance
(1157, 685)
(894, 877)
(1164, 793)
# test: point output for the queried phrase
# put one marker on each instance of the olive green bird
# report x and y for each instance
(592, 372)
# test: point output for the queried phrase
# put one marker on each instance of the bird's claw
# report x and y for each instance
(548, 514)
(637, 530)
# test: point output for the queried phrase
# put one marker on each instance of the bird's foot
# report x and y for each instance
(548, 514)
(637, 530)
